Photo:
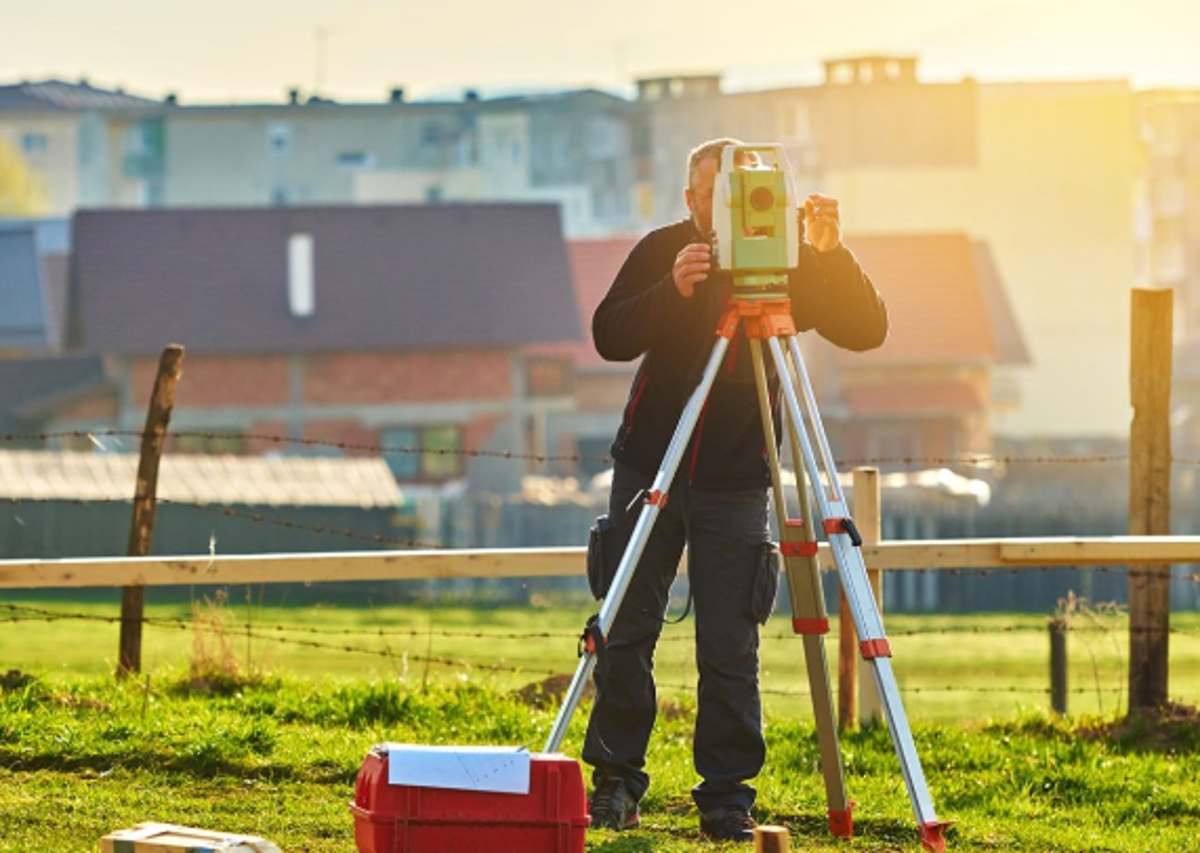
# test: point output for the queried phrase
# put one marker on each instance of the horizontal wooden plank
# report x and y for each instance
(293, 568)
(562, 562)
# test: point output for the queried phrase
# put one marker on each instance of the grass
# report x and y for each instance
(277, 757)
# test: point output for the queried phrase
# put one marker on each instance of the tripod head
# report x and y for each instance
(757, 232)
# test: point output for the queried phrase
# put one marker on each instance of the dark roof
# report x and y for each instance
(30, 385)
(71, 97)
(24, 317)
(385, 277)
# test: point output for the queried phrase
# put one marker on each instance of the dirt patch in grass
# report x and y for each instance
(1172, 727)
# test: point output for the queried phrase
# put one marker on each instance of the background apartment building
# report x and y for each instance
(574, 149)
(85, 147)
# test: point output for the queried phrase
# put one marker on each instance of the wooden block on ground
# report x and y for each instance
(169, 838)
(772, 839)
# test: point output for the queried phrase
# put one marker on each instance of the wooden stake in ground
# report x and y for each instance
(855, 682)
(158, 417)
(1149, 494)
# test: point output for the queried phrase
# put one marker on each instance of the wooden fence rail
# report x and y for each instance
(930, 554)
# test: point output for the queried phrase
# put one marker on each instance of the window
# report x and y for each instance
(34, 143)
(210, 442)
(279, 139)
(423, 453)
(431, 134)
(356, 160)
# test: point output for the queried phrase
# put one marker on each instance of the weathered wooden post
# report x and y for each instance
(1058, 665)
(1149, 494)
(158, 416)
(855, 683)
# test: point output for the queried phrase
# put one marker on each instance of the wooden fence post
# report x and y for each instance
(158, 416)
(1058, 665)
(853, 682)
(1149, 494)
(866, 512)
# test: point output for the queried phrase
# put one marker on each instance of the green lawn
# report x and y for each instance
(278, 759)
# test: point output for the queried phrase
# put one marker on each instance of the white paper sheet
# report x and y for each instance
(502, 769)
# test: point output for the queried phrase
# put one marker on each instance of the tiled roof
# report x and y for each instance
(935, 297)
(57, 95)
(217, 480)
(594, 265)
(387, 277)
(925, 399)
(1011, 342)
(25, 322)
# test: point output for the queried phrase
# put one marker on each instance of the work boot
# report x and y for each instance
(613, 806)
(727, 823)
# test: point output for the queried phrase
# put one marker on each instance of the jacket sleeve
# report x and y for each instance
(640, 304)
(833, 295)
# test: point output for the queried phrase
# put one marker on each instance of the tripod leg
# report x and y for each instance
(844, 541)
(799, 548)
(597, 634)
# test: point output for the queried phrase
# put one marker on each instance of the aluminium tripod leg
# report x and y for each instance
(798, 545)
(843, 538)
(597, 633)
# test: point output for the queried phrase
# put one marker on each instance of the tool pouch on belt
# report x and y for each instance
(766, 584)
(602, 556)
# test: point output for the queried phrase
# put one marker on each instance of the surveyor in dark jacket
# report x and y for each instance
(664, 306)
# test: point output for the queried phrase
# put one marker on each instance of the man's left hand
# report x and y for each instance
(822, 222)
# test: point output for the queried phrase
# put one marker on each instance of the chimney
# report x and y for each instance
(396, 95)
(293, 96)
(171, 100)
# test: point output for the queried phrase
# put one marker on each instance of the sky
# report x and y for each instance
(357, 50)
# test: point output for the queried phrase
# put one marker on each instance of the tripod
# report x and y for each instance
(766, 316)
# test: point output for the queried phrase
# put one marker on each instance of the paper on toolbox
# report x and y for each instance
(501, 769)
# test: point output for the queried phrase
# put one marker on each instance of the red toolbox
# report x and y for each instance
(551, 818)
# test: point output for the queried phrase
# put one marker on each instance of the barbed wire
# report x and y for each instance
(39, 614)
(977, 460)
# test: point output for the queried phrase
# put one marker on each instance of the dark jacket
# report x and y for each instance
(644, 314)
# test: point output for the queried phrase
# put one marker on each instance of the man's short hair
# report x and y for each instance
(703, 151)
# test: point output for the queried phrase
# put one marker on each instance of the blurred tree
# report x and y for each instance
(20, 187)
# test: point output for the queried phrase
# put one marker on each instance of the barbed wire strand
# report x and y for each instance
(38, 614)
(979, 460)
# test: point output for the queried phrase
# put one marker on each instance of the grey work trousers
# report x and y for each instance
(733, 574)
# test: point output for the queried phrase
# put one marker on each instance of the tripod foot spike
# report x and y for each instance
(933, 834)
(841, 823)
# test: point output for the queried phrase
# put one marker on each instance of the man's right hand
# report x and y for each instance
(691, 268)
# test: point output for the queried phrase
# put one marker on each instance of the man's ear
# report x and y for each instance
(687, 199)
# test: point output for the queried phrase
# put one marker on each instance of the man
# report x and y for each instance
(664, 305)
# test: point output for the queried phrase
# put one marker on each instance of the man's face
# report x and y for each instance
(699, 196)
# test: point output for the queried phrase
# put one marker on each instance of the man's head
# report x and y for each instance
(703, 164)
